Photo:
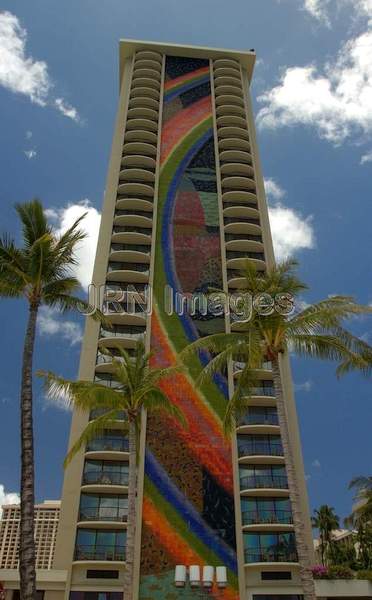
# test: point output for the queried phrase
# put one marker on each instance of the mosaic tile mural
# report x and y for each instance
(188, 508)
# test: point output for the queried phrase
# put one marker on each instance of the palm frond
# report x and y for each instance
(85, 395)
(91, 431)
(157, 401)
(34, 222)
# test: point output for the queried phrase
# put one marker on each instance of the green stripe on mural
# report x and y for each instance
(172, 323)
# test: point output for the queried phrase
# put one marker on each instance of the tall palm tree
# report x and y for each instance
(272, 331)
(137, 387)
(326, 521)
(39, 271)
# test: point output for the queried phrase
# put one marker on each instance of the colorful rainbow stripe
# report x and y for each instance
(175, 528)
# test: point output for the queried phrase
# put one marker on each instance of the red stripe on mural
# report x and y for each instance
(183, 78)
(180, 125)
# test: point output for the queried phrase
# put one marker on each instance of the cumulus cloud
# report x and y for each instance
(51, 323)
(63, 218)
(316, 464)
(22, 74)
(335, 100)
(273, 189)
(290, 231)
(7, 498)
(318, 10)
(366, 158)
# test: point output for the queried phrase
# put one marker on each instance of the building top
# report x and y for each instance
(128, 47)
(44, 504)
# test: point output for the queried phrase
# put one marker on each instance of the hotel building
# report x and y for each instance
(184, 207)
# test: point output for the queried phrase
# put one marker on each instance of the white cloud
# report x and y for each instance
(366, 158)
(28, 134)
(66, 109)
(316, 464)
(290, 231)
(303, 387)
(335, 100)
(50, 323)
(86, 251)
(23, 74)
(273, 189)
(30, 153)
(7, 498)
(318, 10)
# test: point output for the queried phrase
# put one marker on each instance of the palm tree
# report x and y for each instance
(361, 518)
(274, 329)
(326, 521)
(137, 387)
(40, 272)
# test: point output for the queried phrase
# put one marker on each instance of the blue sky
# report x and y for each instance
(312, 94)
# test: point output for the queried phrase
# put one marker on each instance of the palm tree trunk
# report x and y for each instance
(27, 571)
(298, 521)
(131, 523)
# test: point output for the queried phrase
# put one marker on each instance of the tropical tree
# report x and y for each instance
(273, 330)
(361, 519)
(39, 271)
(137, 388)
(326, 521)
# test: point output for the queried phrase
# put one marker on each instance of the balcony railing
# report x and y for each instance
(270, 555)
(275, 482)
(259, 449)
(239, 365)
(144, 248)
(103, 514)
(103, 553)
(233, 237)
(105, 478)
(111, 444)
(259, 391)
(231, 254)
(243, 219)
(134, 334)
(284, 517)
(127, 266)
(259, 419)
(132, 228)
(134, 212)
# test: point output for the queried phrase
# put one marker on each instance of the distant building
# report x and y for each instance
(46, 525)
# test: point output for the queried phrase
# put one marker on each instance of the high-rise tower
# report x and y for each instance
(184, 205)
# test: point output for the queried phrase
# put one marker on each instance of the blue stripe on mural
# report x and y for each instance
(171, 493)
(168, 96)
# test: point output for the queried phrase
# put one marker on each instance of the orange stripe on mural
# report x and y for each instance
(204, 432)
(181, 124)
(184, 78)
(173, 543)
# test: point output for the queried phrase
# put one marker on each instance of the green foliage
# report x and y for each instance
(365, 574)
(340, 572)
(137, 388)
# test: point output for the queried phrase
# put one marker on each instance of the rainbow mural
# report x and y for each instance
(188, 506)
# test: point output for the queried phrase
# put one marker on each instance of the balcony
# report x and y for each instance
(259, 449)
(144, 248)
(258, 419)
(259, 391)
(268, 517)
(232, 237)
(99, 412)
(241, 219)
(127, 266)
(108, 444)
(103, 514)
(134, 212)
(132, 228)
(231, 254)
(100, 553)
(105, 478)
(259, 482)
(271, 555)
